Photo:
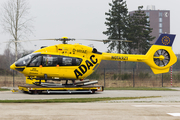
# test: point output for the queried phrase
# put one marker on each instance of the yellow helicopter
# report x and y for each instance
(76, 62)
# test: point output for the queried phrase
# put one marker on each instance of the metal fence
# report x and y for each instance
(109, 77)
(12, 79)
(135, 78)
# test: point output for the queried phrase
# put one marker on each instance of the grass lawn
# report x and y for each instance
(73, 100)
(141, 88)
(4, 89)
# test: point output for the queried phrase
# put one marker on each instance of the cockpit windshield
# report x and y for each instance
(25, 60)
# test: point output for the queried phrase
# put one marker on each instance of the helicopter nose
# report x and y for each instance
(13, 66)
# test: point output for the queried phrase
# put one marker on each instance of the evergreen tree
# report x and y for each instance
(139, 32)
(116, 22)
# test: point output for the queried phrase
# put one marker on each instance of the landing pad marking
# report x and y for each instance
(174, 114)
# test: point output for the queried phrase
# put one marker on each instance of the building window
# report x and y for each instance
(160, 19)
(160, 25)
(147, 13)
(148, 19)
(160, 30)
(160, 14)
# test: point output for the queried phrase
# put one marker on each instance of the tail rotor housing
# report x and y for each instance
(161, 58)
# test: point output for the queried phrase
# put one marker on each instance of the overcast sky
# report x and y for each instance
(83, 19)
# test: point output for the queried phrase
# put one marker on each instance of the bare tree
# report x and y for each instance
(8, 58)
(15, 21)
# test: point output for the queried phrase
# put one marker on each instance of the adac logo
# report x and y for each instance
(165, 40)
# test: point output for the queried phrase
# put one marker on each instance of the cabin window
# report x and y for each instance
(54, 60)
(36, 61)
(70, 61)
(78, 61)
(66, 61)
(50, 60)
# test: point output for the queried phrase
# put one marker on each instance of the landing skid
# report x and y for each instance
(41, 85)
(79, 87)
(60, 89)
(74, 83)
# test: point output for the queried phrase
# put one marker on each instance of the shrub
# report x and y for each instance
(94, 75)
(115, 76)
(176, 76)
(166, 76)
(143, 75)
(124, 76)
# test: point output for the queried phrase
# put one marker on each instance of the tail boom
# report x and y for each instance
(160, 56)
(123, 57)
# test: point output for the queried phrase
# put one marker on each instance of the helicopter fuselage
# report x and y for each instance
(63, 61)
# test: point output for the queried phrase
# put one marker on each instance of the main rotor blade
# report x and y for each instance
(106, 40)
(60, 39)
(20, 41)
(26, 40)
(69, 39)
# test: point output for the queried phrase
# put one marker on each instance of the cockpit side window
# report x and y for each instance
(36, 61)
(24, 61)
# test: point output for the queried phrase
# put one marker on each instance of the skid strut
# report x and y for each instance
(84, 86)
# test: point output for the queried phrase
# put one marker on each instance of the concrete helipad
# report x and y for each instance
(90, 111)
(166, 96)
(166, 107)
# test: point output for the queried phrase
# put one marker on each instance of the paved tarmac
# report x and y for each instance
(166, 96)
(90, 111)
(166, 107)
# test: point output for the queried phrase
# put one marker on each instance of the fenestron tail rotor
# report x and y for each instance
(161, 58)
